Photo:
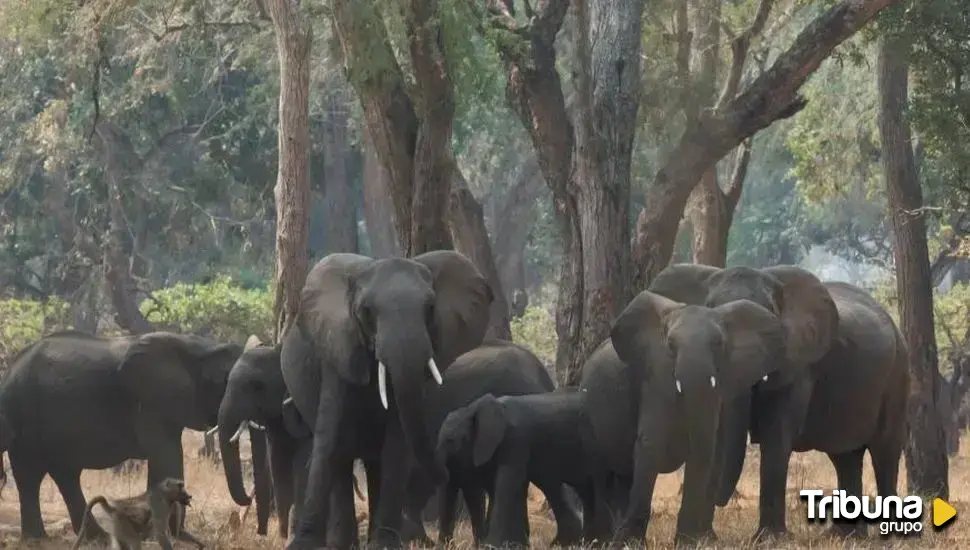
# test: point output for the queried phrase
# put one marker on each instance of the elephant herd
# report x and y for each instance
(387, 363)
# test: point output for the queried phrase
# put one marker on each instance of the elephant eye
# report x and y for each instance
(671, 346)
(429, 312)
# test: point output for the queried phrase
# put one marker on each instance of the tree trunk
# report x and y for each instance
(471, 239)
(294, 38)
(772, 96)
(926, 461)
(711, 211)
(378, 208)
(340, 204)
(118, 153)
(512, 220)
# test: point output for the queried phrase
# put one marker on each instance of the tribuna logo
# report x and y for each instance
(893, 514)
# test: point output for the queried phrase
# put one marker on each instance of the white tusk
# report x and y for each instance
(678, 386)
(288, 400)
(242, 427)
(434, 371)
(212, 431)
(382, 382)
(713, 382)
(765, 378)
(256, 426)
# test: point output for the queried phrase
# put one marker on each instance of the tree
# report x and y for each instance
(294, 38)
(926, 459)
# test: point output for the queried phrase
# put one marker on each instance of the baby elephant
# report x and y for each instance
(511, 441)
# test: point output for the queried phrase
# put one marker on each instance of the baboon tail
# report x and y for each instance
(87, 515)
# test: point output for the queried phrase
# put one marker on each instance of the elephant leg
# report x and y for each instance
(28, 478)
(848, 468)
(310, 532)
(780, 413)
(342, 526)
(284, 468)
(569, 528)
(164, 450)
(596, 523)
(373, 470)
(419, 493)
(474, 497)
(69, 484)
(509, 524)
(447, 501)
(386, 521)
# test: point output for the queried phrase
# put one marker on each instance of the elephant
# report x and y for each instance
(850, 392)
(690, 364)
(499, 368)
(368, 334)
(74, 401)
(515, 440)
(256, 393)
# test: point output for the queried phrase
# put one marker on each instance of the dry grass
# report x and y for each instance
(223, 525)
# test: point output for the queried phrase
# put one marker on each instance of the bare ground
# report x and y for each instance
(224, 526)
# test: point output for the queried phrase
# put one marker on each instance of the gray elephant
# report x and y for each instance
(498, 368)
(693, 365)
(369, 333)
(256, 393)
(74, 401)
(515, 440)
(850, 390)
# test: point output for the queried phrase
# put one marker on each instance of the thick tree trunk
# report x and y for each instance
(512, 220)
(294, 38)
(412, 138)
(340, 201)
(378, 208)
(118, 153)
(772, 96)
(926, 460)
(471, 239)
(711, 211)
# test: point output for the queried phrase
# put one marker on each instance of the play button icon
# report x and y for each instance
(942, 512)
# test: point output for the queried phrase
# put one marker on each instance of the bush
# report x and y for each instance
(222, 309)
(22, 322)
(536, 329)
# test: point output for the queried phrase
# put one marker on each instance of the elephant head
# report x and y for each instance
(253, 399)
(402, 320)
(702, 357)
(472, 433)
(178, 379)
(797, 297)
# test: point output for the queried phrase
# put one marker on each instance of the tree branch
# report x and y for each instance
(739, 51)
(733, 192)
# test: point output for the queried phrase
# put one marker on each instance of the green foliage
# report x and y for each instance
(536, 329)
(951, 312)
(24, 321)
(223, 308)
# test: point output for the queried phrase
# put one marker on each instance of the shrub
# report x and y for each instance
(222, 309)
(23, 322)
(536, 329)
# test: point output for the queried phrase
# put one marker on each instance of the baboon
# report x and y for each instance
(132, 520)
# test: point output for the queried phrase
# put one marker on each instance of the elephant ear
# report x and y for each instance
(169, 374)
(462, 302)
(490, 426)
(684, 283)
(325, 319)
(755, 342)
(808, 314)
(639, 333)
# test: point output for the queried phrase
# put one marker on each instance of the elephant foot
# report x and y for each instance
(625, 539)
(385, 539)
(568, 536)
(305, 542)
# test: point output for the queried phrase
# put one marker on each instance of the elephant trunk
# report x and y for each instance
(229, 428)
(703, 407)
(735, 420)
(409, 369)
(261, 480)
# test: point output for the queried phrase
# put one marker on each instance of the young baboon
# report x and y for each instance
(132, 520)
